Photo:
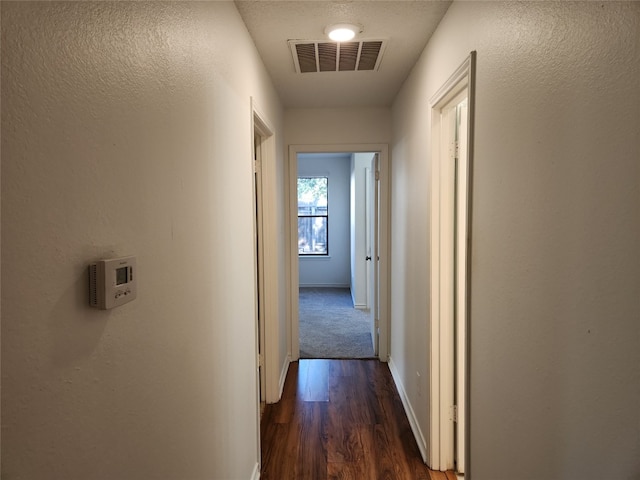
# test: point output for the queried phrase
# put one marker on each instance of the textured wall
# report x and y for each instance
(555, 313)
(126, 130)
(333, 126)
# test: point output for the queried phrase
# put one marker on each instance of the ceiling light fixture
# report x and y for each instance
(342, 32)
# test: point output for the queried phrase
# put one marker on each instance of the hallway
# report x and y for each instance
(340, 419)
(129, 129)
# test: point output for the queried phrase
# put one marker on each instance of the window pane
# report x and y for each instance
(312, 196)
(312, 216)
(312, 235)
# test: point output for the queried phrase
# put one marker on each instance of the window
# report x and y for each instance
(313, 216)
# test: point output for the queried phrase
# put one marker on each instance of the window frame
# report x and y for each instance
(311, 254)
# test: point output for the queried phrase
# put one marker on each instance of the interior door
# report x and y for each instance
(452, 142)
(257, 185)
(460, 287)
(368, 201)
(453, 276)
(373, 254)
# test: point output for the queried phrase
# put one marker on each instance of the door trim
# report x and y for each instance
(441, 453)
(261, 125)
(292, 250)
(373, 278)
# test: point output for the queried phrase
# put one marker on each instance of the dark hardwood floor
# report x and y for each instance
(340, 419)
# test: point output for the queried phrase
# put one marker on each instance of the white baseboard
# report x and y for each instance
(413, 421)
(256, 472)
(324, 285)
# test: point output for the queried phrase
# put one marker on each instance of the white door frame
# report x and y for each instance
(261, 126)
(259, 240)
(372, 182)
(292, 251)
(449, 343)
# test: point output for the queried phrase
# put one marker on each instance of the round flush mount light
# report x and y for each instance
(342, 32)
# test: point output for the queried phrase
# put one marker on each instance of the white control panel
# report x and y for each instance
(112, 282)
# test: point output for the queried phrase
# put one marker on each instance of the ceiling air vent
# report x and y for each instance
(336, 57)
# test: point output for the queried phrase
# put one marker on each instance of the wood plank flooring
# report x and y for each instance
(340, 419)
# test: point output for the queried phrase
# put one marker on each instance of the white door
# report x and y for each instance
(451, 135)
(258, 228)
(372, 199)
(460, 275)
(453, 280)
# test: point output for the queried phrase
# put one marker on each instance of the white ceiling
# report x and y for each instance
(406, 24)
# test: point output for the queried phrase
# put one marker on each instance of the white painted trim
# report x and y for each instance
(314, 258)
(385, 236)
(283, 376)
(434, 324)
(442, 290)
(406, 403)
(458, 81)
(255, 475)
(258, 281)
(446, 289)
(293, 325)
(441, 330)
(462, 282)
(270, 251)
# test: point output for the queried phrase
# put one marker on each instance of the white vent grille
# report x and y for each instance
(312, 57)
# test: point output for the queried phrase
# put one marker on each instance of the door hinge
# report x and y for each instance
(377, 174)
(260, 361)
(454, 413)
(256, 166)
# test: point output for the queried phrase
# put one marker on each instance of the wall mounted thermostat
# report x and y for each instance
(112, 282)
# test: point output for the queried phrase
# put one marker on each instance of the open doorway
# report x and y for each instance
(336, 217)
(337, 268)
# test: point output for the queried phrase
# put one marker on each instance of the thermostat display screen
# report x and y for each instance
(122, 275)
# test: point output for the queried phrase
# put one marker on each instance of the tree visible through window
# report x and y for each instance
(313, 216)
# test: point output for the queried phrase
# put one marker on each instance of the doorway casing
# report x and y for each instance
(266, 267)
(450, 253)
(292, 250)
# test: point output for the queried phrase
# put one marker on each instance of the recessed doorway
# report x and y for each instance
(336, 210)
(345, 256)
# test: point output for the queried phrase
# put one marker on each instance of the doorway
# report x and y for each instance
(263, 163)
(372, 244)
(259, 255)
(452, 142)
(377, 324)
(337, 219)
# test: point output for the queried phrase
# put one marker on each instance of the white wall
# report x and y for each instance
(332, 270)
(333, 126)
(126, 129)
(359, 163)
(555, 353)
